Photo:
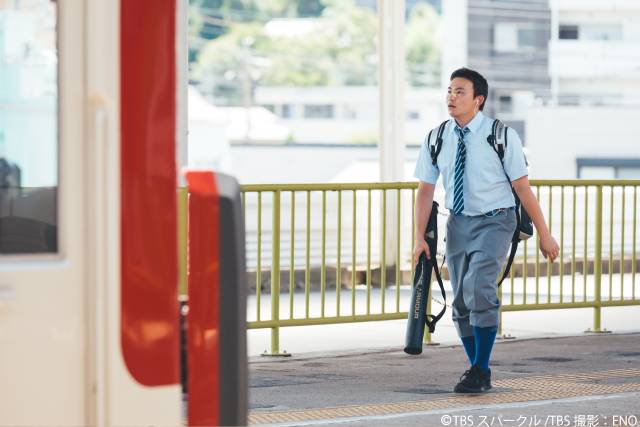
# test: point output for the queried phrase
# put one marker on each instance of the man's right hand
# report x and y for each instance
(420, 246)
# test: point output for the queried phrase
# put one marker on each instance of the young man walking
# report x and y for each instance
(482, 216)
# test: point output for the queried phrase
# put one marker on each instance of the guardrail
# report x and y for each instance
(362, 237)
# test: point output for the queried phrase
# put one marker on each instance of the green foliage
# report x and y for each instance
(340, 48)
(224, 63)
(422, 47)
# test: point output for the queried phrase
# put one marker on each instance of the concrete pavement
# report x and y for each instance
(559, 381)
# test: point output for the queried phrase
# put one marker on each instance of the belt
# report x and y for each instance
(496, 211)
(489, 214)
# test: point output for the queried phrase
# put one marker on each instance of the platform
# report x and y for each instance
(585, 380)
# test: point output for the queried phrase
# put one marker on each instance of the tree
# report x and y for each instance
(422, 46)
(339, 49)
(210, 19)
(205, 24)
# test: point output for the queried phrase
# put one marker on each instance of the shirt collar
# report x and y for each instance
(473, 125)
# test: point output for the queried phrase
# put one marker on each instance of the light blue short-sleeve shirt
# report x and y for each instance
(485, 185)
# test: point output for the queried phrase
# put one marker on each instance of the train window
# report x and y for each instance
(28, 127)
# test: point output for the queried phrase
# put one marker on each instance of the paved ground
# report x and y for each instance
(582, 380)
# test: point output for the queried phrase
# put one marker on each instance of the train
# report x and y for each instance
(93, 331)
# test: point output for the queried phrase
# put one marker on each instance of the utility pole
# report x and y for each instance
(245, 77)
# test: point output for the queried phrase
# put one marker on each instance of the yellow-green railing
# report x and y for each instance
(340, 192)
(361, 232)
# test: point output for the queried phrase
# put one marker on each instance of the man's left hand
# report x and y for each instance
(549, 247)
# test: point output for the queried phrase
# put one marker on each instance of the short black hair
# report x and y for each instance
(480, 85)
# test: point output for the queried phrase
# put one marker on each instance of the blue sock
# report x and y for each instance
(470, 347)
(484, 338)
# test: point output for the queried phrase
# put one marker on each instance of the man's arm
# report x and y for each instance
(548, 245)
(424, 202)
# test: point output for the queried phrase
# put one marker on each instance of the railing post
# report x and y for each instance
(275, 273)
(183, 233)
(597, 267)
(275, 278)
(500, 335)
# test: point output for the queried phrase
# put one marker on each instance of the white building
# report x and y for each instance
(212, 129)
(594, 52)
(569, 142)
(348, 114)
(507, 42)
(594, 63)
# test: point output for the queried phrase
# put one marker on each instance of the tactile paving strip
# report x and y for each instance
(522, 389)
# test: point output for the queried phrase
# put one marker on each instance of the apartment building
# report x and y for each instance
(506, 41)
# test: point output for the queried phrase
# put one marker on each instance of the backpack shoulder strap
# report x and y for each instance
(437, 145)
(432, 240)
(514, 248)
(431, 320)
(498, 138)
(498, 141)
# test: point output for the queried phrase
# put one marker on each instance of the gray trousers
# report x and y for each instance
(476, 251)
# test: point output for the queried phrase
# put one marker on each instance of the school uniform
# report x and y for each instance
(482, 215)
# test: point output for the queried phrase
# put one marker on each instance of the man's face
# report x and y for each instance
(460, 99)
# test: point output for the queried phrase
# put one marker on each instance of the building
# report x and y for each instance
(507, 42)
(212, 129)
(594, 54)
(594, 64)
(347, 114)
(589, 142)
(344, 114)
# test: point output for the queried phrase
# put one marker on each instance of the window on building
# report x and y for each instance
(513, 37)
(596, 172)
(286, 111)
(569, 99)
(318, 111)
(601, 32)
(568, 32)
(505, 104)
(349, 112)
(629, 173)
(526, 38)
(505, 37)
(608, 168)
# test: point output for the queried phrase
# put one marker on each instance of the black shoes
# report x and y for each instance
(474, 380)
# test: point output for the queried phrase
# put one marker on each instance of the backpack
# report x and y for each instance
(498, 141)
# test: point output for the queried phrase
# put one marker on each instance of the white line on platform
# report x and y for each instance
(345, 420)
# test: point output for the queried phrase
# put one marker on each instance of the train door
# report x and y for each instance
(43, 249)
(88, 250)
(133, 109)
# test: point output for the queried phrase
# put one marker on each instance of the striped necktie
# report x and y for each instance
(458, 182)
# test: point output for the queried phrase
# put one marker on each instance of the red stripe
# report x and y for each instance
(204, 299)
(148, 191)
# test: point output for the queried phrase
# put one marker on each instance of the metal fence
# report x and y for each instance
(340, 253)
